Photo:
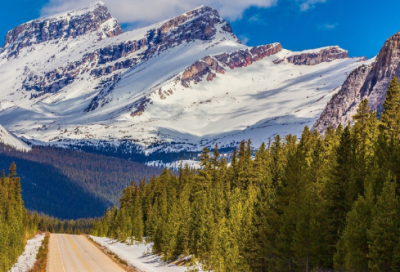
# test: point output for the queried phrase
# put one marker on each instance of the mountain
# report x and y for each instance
(76, 80)
(11, 140)
(366, 82)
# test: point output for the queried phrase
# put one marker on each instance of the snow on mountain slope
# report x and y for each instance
(11, 140)
(75, 79)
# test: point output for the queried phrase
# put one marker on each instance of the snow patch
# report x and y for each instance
(28, 258)
(176, 164)
(138, 256)
(9, 139)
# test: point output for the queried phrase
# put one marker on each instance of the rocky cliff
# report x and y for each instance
(212, 65)
(343, 105)
(364, 83)
(387, 64)
(314, 57)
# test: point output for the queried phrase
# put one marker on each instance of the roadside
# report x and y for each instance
(138, 256)
(122, 263)
(41, 257)
(28, 259)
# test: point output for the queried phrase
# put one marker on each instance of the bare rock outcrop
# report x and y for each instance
(364, 83)
(212, 65)
(318, 56)
(343, 105)
(387, 64)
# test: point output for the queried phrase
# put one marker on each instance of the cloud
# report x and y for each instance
(328, 26)
(244, 39)
(142, 13)
(308, 4)
(257, 19)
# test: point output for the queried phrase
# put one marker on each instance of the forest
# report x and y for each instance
(56, 178)
(16, 224)
(318, 203)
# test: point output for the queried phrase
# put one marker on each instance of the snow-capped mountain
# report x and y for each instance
(11, 140)
(76, 80)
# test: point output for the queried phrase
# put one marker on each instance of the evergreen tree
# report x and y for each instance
(391, 110)
(352, 251)
(384, 232)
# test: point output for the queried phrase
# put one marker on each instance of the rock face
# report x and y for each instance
(364, 83)
(387, 64)
(95, 18)
(212, 65)
(318, 56)
(343, 105)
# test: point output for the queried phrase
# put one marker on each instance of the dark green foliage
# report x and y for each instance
(315, 204)
(72, 184)
(16, 224)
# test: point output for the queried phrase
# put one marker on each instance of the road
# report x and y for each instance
(74, 253)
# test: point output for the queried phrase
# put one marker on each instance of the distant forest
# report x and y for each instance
(70, 184)
(321, 203)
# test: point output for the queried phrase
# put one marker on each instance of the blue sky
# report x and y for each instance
(358, 26)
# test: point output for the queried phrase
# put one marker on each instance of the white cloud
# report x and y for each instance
(257, 19)
(308, 4)
(328, 26)
(244, 39)
(150, 11)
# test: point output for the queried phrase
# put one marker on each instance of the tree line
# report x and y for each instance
(55, 225)
(318, 203)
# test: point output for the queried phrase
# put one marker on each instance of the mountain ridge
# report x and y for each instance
(167, 87)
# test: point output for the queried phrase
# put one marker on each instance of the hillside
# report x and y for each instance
(71, 184)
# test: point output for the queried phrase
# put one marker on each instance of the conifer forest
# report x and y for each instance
(16, 224)
(319, 203)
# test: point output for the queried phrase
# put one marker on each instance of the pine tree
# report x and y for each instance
(352, 248)
(338, 194)
(391, 108)
(384, 232)
(365, 134)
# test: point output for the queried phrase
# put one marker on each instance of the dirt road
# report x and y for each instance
(74, 253)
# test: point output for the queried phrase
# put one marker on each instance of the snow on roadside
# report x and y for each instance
(138, 256)
(28, 258)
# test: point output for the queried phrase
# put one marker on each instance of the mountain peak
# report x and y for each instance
(75, 12)
(71, 24)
